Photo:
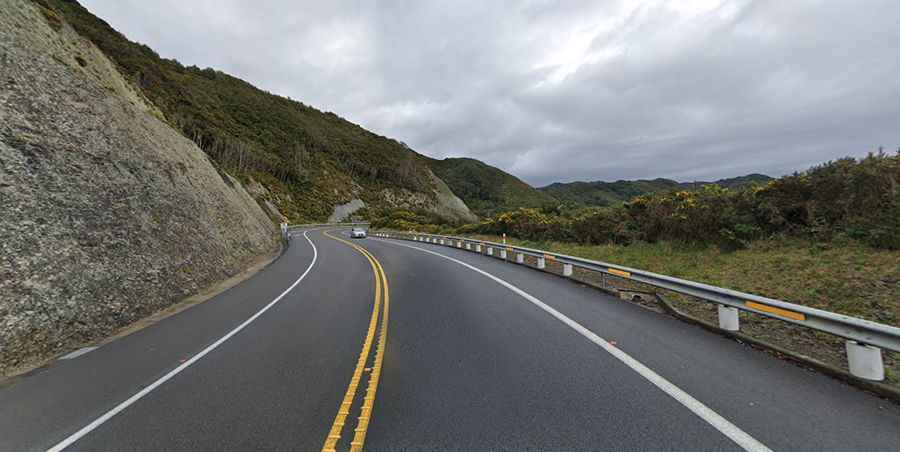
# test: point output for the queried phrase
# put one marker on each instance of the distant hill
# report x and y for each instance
(734, 182)
(485, 189)
(600, 193)
(307, 162)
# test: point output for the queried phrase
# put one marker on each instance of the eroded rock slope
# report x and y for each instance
(106, 213)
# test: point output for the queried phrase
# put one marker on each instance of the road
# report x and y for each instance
(476, 354)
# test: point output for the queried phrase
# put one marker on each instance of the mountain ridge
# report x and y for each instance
(603, 193)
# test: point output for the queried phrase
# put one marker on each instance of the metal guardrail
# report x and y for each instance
(865, 337)
(316, 225)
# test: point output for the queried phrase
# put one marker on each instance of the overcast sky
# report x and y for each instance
(565, 90)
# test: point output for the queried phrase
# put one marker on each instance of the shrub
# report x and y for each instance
(859, 199)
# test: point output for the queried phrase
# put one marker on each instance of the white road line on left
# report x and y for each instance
(78, 352)
(140, 394)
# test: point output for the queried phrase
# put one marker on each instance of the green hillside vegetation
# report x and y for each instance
(310, 160)
(600, 194)
(486, 189)
(846, 199)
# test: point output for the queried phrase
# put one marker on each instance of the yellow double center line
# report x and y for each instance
(382, 293)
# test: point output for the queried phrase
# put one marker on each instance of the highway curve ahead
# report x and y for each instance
(476, 354)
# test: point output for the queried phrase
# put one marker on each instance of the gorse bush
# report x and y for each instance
(859, 199)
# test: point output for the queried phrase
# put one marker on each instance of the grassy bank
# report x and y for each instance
(849, 278)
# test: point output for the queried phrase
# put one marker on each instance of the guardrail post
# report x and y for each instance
(442, 241)
(469, 246)
(503, 254)
(865, 361)
(729, 319)
(490, 251)
(567, 269)
(477, 247)
(459, 243)
(541, 262)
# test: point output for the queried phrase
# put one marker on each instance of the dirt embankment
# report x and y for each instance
(108, 214)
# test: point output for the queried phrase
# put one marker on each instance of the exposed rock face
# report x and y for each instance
(106, 213)
(449, 205)
(342, 211)
(442, 201)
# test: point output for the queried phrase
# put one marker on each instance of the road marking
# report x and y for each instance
(774, 310)
(362, 425)
(78, 352)
(721, 424)
(143, 392)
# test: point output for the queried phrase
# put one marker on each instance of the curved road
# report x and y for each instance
(478, 354)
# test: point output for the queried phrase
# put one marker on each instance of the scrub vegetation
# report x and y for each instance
(308, 159)
(846, 199)
(601, 194)
(488, 190)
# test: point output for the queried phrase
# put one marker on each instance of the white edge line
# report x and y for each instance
(137, 396)
(79, 352)
(721, 424)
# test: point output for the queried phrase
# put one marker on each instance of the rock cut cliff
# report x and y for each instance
(107, 214)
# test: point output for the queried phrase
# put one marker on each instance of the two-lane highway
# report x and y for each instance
(475, 354)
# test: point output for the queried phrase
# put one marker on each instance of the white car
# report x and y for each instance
(358, 233)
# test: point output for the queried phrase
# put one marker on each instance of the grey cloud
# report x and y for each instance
(556, 91)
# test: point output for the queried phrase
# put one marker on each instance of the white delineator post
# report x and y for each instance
(442, 241)
(567, 269)
(520, 258)
(459, 243)
(468, 246)
(478, 248)
(490, 251)
(503, 254)
(729, 320)
(541, 262)
(865, 361)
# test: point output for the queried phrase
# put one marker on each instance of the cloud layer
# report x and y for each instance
(569, 90)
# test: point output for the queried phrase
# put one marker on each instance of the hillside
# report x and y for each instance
(307, 162)
(109, 214)
(600, 193)
(486, 189)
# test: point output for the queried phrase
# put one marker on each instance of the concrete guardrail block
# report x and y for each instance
(865, 361)
(729, 320)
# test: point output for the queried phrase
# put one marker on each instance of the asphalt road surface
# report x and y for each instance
(475, 354)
